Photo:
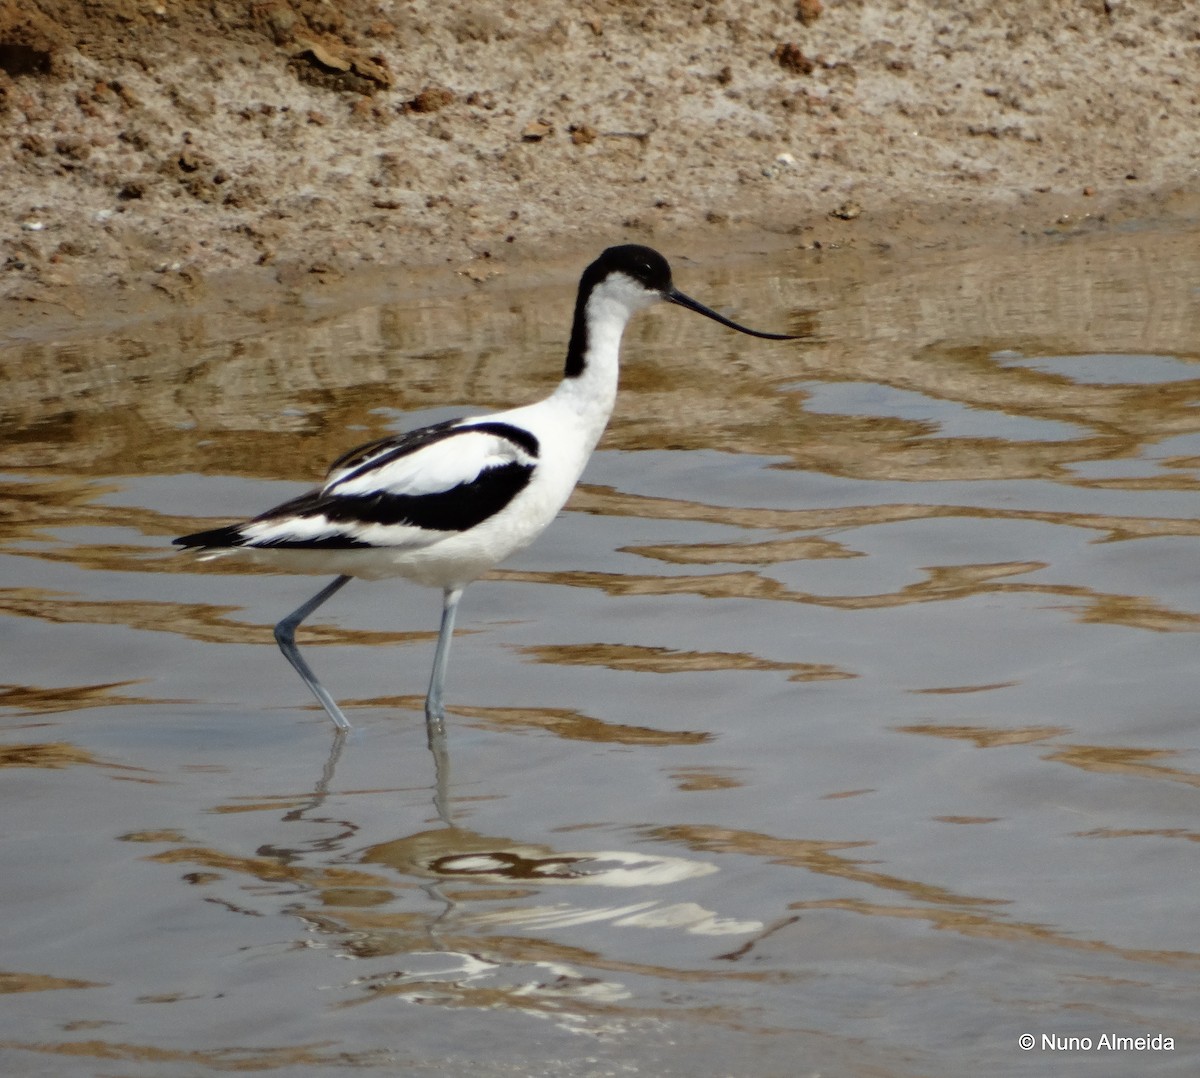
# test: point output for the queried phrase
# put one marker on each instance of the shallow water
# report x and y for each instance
(845, 724)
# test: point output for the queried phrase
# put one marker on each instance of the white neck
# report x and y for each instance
(592, 392)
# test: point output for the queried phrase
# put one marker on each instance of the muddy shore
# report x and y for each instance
(167, 154)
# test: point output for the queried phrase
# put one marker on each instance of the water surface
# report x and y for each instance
(845, 723)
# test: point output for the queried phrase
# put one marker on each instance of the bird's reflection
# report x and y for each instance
(435, 739)
(446, 914)
(321, 792)
(302, 810)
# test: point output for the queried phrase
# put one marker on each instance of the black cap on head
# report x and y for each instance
(649, 269)
(644, 264)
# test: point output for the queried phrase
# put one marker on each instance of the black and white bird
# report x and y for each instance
(444, 504)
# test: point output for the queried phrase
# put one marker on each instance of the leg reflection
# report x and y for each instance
(435, 731)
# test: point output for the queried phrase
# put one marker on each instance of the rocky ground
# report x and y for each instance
(176, 147)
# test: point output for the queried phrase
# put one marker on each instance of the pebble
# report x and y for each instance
(536, 131)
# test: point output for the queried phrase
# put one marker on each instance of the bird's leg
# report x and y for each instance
(435, 727)
(285, 637)
(434, 711)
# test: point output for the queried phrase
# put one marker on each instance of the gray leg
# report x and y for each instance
(285, 637)
(434, 711)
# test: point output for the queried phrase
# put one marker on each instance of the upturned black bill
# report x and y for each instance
(675, 296)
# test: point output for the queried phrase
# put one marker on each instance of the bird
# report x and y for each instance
(443, 504)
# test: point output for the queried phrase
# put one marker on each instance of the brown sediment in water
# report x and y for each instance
(177, 155)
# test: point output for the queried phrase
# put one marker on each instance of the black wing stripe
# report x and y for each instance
(400, 445)
(234, 534)
(407, 444)
(231, 535)
(455, 510)
(519, 436)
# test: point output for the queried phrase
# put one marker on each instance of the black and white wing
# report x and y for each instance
(403, 492)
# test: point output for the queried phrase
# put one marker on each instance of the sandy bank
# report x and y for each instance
(168, 153)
